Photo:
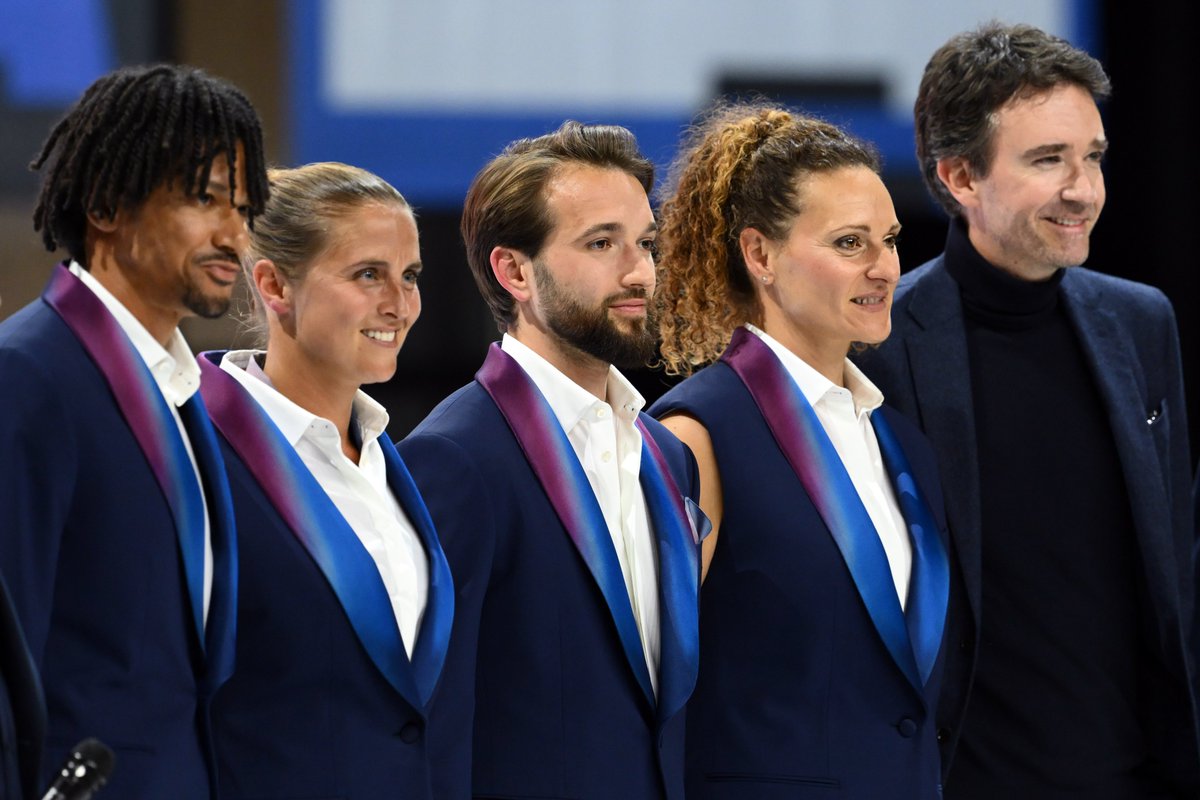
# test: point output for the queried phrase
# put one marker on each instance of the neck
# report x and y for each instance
(826, 357)
(309, 386)
(588, 371)
(160, 322)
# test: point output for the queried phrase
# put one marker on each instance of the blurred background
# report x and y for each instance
(425, 93)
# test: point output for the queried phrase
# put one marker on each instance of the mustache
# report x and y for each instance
(637, 293)
(220, 254)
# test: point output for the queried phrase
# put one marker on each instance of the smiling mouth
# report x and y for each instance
(867, 301)
(381, 336)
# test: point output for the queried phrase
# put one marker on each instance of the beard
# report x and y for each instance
(207, 305)
(591, 330)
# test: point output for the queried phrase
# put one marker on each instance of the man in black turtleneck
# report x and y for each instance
(1053, 396)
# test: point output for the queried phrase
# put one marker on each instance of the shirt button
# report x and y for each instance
(606, 456)
(602, 412)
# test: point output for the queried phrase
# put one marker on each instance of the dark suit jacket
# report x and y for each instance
(22, 709)
(310, 711)
(558, 712)
(797, 695)
(89, 548)
(1127, 332)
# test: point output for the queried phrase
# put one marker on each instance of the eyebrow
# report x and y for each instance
(866, 228)
(1058, 147)
(612, 227)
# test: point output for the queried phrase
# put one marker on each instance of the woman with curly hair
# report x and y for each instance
(826, 570)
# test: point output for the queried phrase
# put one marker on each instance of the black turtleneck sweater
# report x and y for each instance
(1053, 711)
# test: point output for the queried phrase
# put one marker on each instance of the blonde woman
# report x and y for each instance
(345, 596)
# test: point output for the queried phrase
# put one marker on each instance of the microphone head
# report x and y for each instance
(85, 770)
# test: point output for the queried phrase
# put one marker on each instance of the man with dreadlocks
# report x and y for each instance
(115, 530)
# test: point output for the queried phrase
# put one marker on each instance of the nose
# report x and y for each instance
(231, 232)
(398, 298)
(886, 266)
(639, 270)
(1084, 185)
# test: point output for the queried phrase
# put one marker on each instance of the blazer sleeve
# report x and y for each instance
(38, 465)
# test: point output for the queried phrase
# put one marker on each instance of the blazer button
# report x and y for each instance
(943, 735)
(410, 732)
(907, 727)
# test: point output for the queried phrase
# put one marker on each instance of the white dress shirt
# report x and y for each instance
(177, 376)
(359, 491)
(609, 447)
(845, 414)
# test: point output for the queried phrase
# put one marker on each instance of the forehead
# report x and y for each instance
(1066, 115)
(846, 196)
(579, 196)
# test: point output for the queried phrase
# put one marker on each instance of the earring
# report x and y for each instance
(765, 278)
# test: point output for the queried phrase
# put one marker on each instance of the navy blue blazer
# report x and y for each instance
(22, 709)
(309, 712)
(1128, 335)
(558, 712)
(797, 694)
(89, 548)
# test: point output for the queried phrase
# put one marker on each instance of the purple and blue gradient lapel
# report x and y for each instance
(154, 428)
(678, 580)
(314, 520)
(813, 458)
(561, 475)
(929, 586)
(433, 638)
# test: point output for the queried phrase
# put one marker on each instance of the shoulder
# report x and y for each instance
(1120, 296)
(928, 277)
(702, 393)
(465, 413)
(35, 329)
(462, 439)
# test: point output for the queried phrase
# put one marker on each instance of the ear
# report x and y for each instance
(104, 224)
(756, 253)
(271, 287)
(959, 179)
(514, 271)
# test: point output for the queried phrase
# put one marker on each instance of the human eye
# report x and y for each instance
(367, 274)
(849, 242)
(1048, 161)
(204, 198)
(411, 277)
(891, 241)
(1096, 156)
(599, 244)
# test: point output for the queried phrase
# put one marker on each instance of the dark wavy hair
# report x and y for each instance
(973, 76)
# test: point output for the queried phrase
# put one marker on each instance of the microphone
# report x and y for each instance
(83, 773)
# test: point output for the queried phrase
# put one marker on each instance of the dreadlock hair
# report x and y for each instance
(134, 130)
(741, 166)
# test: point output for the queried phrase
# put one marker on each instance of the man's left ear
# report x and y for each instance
(514, 271)
(104, 224)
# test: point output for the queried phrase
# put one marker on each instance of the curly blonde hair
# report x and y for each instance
(741, 167)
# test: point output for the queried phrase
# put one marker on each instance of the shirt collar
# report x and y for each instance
(568, 400)
(814, 386)
(293, 420)
(173, 367)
